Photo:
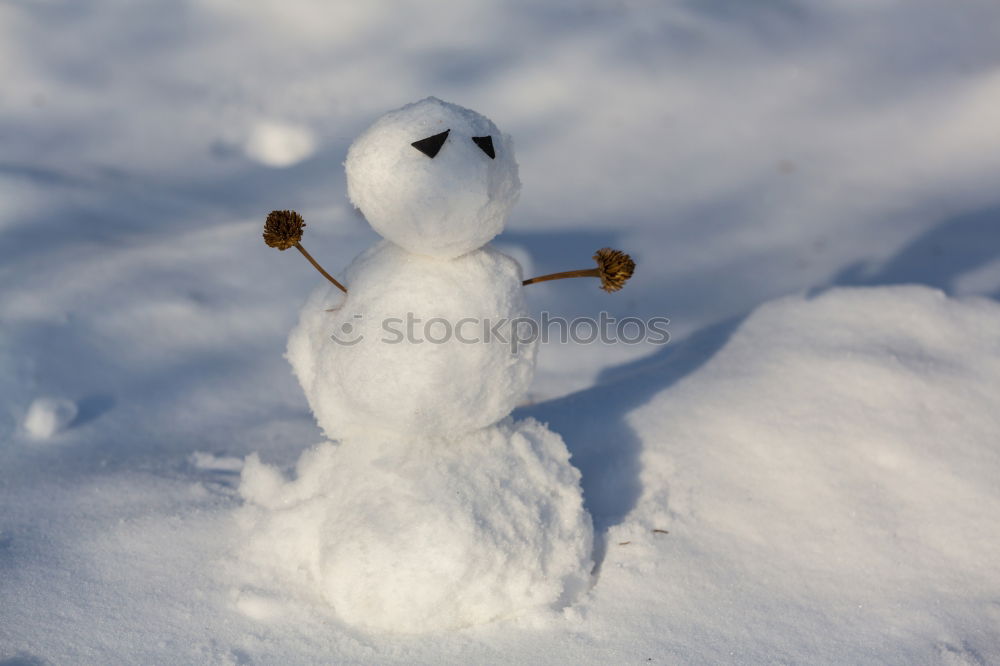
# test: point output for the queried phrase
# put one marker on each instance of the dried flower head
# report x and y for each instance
(614, 268)
(283, 229)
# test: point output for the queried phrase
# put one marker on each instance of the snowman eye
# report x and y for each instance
(432, 144)
(486, 144)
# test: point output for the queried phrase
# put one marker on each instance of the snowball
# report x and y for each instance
(441, 206)
(49, 416)
(421, 534)
(280, 144)
(381, 373)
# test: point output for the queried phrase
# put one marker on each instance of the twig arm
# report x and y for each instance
(614, 267)
(298, 246)
(586, 272)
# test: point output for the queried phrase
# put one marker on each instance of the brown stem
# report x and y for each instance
(586, 272)
(298, 246)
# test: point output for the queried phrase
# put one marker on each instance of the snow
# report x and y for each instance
(407, 534)
(442, 205)
(394, 354)
(833, 465)
(817, 444)
(47, 417)
(279, 145)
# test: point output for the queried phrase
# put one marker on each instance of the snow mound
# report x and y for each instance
(425, 534)
(838, 458)
(48, 417)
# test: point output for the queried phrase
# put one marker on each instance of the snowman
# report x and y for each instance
(430, 508)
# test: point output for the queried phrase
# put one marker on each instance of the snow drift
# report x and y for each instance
(829, 482)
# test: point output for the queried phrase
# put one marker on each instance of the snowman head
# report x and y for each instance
(434, 178)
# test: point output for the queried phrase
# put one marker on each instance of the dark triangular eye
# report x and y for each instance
(432, 144)
(486, 143)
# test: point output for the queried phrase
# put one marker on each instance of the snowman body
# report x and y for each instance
(434, 509)
(420, 345)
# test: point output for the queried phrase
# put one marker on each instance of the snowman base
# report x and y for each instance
(415, 535)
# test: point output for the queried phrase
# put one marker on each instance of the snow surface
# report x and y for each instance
(824, 469)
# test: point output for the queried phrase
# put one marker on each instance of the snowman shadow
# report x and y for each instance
(594, 424)
(92, 407)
